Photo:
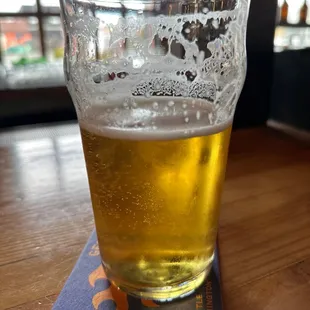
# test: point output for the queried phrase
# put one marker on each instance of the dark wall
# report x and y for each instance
(254, 103)
(31, 106)
(290, 100)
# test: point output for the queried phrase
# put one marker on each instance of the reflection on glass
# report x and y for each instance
(18, 6)
(20, 39)
(50, 6)
(53, 36)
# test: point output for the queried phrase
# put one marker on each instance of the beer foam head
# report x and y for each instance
(155, 118)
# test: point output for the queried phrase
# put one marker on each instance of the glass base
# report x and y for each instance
(166, 293)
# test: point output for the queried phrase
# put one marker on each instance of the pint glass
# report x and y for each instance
(155, 85)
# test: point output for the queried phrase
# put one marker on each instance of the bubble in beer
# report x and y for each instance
(171, 103)
(198, 115)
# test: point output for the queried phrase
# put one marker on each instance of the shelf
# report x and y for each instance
(293, 25)
(291, 38)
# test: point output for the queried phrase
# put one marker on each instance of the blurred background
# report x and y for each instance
(32, 87)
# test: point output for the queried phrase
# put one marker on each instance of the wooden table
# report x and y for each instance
(46, 218)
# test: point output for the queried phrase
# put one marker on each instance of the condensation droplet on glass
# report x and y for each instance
(184, 105)
(170, 103)
(155, 105)
(186, 119)
(198, 115)
(210, 118)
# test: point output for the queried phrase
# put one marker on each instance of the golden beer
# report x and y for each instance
(156, 203)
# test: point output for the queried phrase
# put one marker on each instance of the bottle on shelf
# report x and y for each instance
(303, 14)
(278, 13)
(284, 13)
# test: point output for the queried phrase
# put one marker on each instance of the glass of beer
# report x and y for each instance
(155, 86)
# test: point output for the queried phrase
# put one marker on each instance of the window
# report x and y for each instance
(20, 39)
(53, 38)
(50, 6)
(30, 32)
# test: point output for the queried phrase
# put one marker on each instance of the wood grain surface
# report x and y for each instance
(264, 232)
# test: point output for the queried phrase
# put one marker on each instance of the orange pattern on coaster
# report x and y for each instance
(100, 297)
(119, 297)
(149, 303)
(112, 293)
(96, 275)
